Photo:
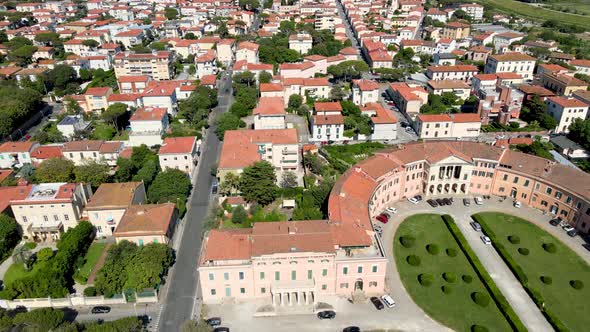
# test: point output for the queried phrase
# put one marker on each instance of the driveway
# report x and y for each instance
(500, 273)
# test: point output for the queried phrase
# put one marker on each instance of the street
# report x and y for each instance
(183, 280)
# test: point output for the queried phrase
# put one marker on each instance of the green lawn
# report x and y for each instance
(122, 136)
(17, 271)
(102, 131)
(439, 278)
(91, 258)
(353, 153)
(549, 267)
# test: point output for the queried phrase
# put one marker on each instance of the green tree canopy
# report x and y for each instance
(90, 43)
(348, 70)
(265, 77)
(258, 183)
(239, 215)
(580, 132)
(113, 113)
(9, 235)
(170, 13)
(92, 172)
(55, 170)
(227, 121)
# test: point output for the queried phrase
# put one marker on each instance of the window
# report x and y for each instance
(66, 217)
(243, 290)
(293, 275)
(568, 199)
(99, 229)
(225, 276)
(324, 287)
(344, 285)
(263, 290)
(24, 218)
(372, 284)
(211, 276)
(537, 186)
(558, 195)
(45, 218)
(526, 183)
(505, 177)
(241, 275)
(324, 272)
(374, 269)
(213, 291)
(55, 217)
(549, 191)
(515, 179)
(564, 213)
(309, 274)
(345, 270)
(261, 275)
(277, 276)
(359, 269)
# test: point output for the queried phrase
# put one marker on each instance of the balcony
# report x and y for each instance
(290, 152)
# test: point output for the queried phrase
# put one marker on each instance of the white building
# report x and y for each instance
(270, 113)
(72, 124)
(437, 126)
(474, 10)
(147, 126)
(364, 91)
(247, 51)
(518, 63)
(179, 153)
(565, 110)
(301, 42)
(16, 154)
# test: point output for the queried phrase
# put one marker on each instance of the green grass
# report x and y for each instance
(90, 260)
(537, 13)
(353, 153)
(454, 308)
(17, 271)
(561, 301)
(102, 131)
(122, 136)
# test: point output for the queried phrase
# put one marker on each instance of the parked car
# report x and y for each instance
(213, 321)
(413, 200)
(568, 228)
(377, 303)
(382, 218)
(418, 197)
(485, 239)
(466, 201)
(389, 302)
(517, 204)
(100, 310)
(409, 129)
(448, 201)
(586, 246)
(391, 209)
(326, 314)
(441, 202)
(478, 200)
(476, 226)
(351, 329)
(555, 222)
(432, 202)
(572, 233)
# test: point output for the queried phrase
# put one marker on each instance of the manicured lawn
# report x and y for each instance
(102, 131)
(550, 268)
(439, 278)
(91, 258)
(17, 271)
(353, 153)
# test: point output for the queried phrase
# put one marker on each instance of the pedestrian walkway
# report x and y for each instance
(98, 265)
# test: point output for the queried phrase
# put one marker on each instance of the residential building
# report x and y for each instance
(518, 63)
(180, 153)
(157, 65)
(569, 148)
(383, 123)
(16, 154)
(270, 113)
(247, 51)
(110, 201)
(437, 126)
(582, 66)
(364, 91)
(458, 88)
(129, 38)
(455, 31)
(206, 64)
(148, 124)
(133, 84)
(70, 125)
(300, 42)
(147, 223)
(473, 10)
(407, 98)
(565, 110)
(96, 99)
(81, 152)
(458, 72)
(563, 84)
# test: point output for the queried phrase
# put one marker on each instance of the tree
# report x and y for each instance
(579, 132)
(47, 38)
(239, 215)
(348, 70)
(140, 49)
(265, 77)
(246, 78)
(170, 13)
(230, 184)
(258, 183)
(227, 121)
(171, 185)
(313, 163)
(92, 172)
(295, 101)
(59, 77)
(289, 179)
(192, 69)
(90, 43)
(111, 277)
(389, 74)
(158, 46)
(113, 113)
(249, 4)
(16, 106)
(45, 319)
(23, 255)
(44, 254)
(536, 110)
(55, 170)
(147, 172)
(337, 93)
(22, 55)
(148, 265)
(9, 235)
(307, 213)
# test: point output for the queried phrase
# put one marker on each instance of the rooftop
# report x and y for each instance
(147, 219)
(178, 145)
(114, 195)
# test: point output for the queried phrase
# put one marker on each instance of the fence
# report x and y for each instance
(78, 300)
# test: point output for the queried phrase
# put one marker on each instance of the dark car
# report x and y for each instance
(352, 329)
(555, 222)
(377, 303)
(326, 314)
(100, 310)
(572, 233)
(418, 197)
(586, 246)
(432, 202)
(382, 218)
(221, 329)
(441, 202)
(213, 321)
(448, 201)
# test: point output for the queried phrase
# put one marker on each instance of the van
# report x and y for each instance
(389, 302)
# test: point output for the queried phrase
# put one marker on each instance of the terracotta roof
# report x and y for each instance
(327, 107)
(366, 85)
(452, 68)
(466, 117)
(147, 219)
(384, 116)
(114, 195)
(567, 102)
(508, 76)
(566, 79)
(178, 145)
(87, 145)
(448, 84)
(270, 106)
(149, 114)
(47, 151)
(17, 146)
(209, 80)
(336, 119)
(97, 91)
(512, 57)
(111, 147)
(8, 194)
(291, 236)
(271, 87)
(434, 118)
(580, 63)
(237, 245)
(133, 79)
(240, 147)
(535, 90)
(248, 45)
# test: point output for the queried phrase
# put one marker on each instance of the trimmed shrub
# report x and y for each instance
(90, 291)
(449, 277)
(523, 251)
(407, 241)
(432, 249)
(446, 289)
(467, 278)
(451, 252)
(478, 328)
(425, 279)
(549, 247)
(413, 260)
(547, 280)
(480, 298)
(576, 284)
(514, 239)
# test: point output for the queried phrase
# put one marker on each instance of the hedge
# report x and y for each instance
(483, 275)
(519, 274)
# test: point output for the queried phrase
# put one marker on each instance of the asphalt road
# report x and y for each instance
(183, 282)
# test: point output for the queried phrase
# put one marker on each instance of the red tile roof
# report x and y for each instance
(240, 147)
(149, 114)
(270, 106)
(178, 145)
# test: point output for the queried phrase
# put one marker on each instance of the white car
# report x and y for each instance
(517, 204)
(389, 302)
(485, 239)
(413, 200)
(478, 200)
(568, 228)
(392, 210)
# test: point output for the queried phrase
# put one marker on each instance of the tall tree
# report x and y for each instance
(258, 183)
(113, 113)
(239, 215)
(55, 170)
(92, 172)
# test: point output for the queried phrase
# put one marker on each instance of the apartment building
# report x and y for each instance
(16, 154)
(270, 113)
(458, 88)
(437, 126)
(455, 31)
(364, 91)
(206, 64)
(247, 51)
(326, 21)
(157, 65)
(181, 153)
(147, 223)
(300, 42)
(562, 84)
(96, 99)
(148, 124)
(81, 152)
(458, 72)
(519, 63)
(582, 66)
(383, 122)
(565, 110)
(473, 10)
(407, 98)
(44, 211)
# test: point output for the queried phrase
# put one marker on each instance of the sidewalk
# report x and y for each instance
(98, 265)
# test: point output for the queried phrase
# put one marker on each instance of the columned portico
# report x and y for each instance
(296, 293)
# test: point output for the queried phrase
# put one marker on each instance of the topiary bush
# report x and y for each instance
(446, 289)
(577, 284)
(480, 298)
(413, 260)
(549, 247)
(451, 252)
(547, 280)
(467, 278)
(478, 328)
(432, 249)
(407, 241)
(523, 251)
(425, 279)
(514, 239)
(449, 277)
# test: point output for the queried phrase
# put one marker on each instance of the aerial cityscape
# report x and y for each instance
(295, 165)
